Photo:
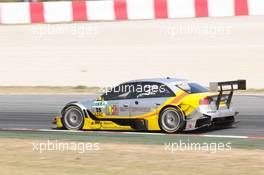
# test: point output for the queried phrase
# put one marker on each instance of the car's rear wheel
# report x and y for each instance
(171, 120)
(73, 118)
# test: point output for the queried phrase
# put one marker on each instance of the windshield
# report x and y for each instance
(192, 88)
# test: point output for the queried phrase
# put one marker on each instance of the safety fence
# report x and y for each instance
(109, 10)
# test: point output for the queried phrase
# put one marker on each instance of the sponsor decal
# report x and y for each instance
(140, 109)
(112, 110)
(99, 104)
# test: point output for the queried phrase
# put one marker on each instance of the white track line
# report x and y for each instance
(129, 133)
(143, 133)
(226, 136)
(41, 130)
(54, 130)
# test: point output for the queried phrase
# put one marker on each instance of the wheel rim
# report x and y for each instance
(170, 120)
(73, 118)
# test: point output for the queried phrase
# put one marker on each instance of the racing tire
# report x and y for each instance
(73, 118)
(171, 120)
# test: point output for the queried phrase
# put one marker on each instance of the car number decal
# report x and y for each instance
(98, 108)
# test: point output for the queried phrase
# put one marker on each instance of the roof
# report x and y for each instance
(159, 80)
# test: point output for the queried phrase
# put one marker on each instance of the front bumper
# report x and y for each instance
(57, 123)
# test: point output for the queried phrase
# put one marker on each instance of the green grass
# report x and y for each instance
(131, 138)
(256, 90)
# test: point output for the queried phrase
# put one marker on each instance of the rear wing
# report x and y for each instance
(227, 86)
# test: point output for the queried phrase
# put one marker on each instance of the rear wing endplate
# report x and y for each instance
(229, 86)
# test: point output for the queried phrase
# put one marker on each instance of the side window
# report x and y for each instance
(153, 90)
(119, 92)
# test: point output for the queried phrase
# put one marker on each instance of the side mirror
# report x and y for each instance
(99, 98)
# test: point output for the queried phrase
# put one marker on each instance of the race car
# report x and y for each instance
(166, 104)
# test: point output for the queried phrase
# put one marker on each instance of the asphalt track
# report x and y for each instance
(38, 111)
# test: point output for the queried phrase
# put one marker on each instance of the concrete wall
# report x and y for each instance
(106, 53)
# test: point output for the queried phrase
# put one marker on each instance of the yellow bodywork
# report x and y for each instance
(185, 102)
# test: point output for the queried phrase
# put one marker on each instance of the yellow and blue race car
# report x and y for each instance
(165, 104)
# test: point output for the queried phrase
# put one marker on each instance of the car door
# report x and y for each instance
(117, 102)
(153, 95)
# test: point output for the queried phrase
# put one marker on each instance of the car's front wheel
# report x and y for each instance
(72, 118)
(171, 120)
